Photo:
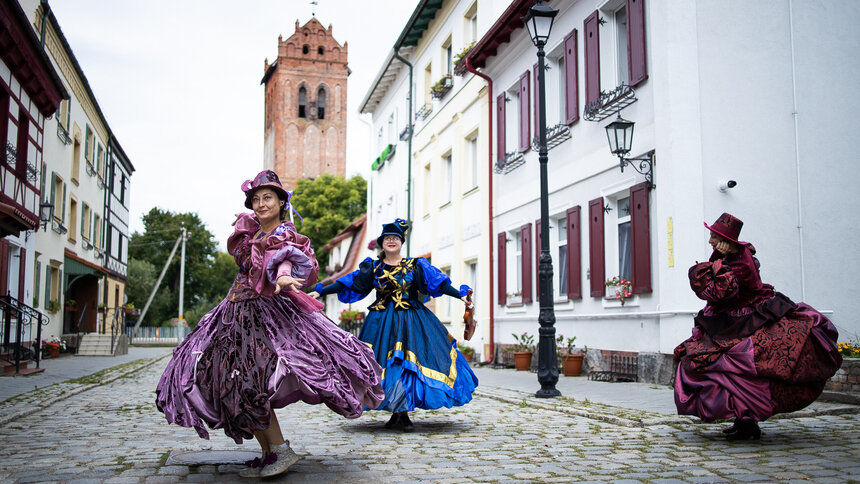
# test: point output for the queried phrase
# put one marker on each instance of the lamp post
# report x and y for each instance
(46, 213)
(539, 22)
(620, 136)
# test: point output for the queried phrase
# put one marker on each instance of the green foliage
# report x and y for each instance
(525, 342)
(328, 204)
(140, 279)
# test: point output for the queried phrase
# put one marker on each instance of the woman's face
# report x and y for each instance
(391, 244)
(266, 205)
(715, 239)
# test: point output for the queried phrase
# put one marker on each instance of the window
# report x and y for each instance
(428, 190)
(52, 282)
(303, 101)
(515, 262)
(320, 50)
(511, 123)
(473, 28)
(625, 268)
(620, 25)
(97, 232)
(86, 226)
(88, 146)
(470, 24)
(100, 160)
(445, 301)
(471, 163)
(428, 83)
(58, 198)
(36, 281)
(305, 49)
(392, 136)
(73, 219)
(448, 171)
(122, 190)
(76, 152)
(472, 274)
(321, 104)
(448, 56)
(558, 232)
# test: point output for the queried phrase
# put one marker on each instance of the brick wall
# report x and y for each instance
(847, 379)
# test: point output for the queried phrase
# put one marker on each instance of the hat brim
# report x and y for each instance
(379, 239)
(721, 234)
(250, 194)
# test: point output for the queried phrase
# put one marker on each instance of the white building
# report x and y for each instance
(432, 173)
(718, 91)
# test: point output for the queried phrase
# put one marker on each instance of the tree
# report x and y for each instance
(140, 280)
(161, 229)
(327, 205)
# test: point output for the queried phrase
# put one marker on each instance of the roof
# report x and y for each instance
(356, 229)
(417, 24)
(500, 33)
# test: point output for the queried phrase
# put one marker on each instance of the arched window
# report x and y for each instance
(321, 104)
(320, 51)
(303, 101)
(305, 49)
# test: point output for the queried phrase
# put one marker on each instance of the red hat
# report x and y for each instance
(728, 226)
(264, 179)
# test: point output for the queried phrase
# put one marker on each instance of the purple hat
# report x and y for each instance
(728, 226)
(264, 179)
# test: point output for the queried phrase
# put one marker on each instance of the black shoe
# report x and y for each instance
(747, 429)
(404, 423)
(733, 428)
(393, 421)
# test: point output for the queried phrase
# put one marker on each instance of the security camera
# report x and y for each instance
(724, 186)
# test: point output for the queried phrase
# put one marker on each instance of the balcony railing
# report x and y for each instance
(555, 136)
(424, 111)
(63, 134)
(404, 135)
(609, 103)
(442, 87)
(509, 163)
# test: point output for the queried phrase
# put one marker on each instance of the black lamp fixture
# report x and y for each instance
(539, 22)
(46, 213)
(620, 136)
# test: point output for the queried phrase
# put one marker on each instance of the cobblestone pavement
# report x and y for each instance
(112, 433)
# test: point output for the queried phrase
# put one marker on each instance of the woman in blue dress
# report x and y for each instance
(421, 366)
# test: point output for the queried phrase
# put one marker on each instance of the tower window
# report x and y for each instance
(305, 49)
(321, 104)
(303, 101)
(320, 51)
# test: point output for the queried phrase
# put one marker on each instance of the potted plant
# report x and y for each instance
(523, 351)
(128, 308)
(71, 304)
(53, 345)
(52, 306)
(619, 289)
(102, 308)
(347, 316)
(442, 86)
(468, 352)
(459, 65)
(570, 357)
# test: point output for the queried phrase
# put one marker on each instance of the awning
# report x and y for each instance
(73, 266)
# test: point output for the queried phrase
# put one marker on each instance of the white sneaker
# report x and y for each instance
(286, 458)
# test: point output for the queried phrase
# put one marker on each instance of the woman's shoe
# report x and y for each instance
(747, 429)
(285, 457)
(404, 423)
(733, 428)
(256, 465)
(392, 422)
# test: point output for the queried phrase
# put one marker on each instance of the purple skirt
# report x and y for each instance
(248, 357)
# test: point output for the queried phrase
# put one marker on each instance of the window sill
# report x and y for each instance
(515, 308)
(470, 191)
(445, 205)
(632, 302)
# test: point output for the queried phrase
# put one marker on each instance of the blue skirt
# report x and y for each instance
(421, 366)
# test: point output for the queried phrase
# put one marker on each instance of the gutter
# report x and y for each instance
(470, 68)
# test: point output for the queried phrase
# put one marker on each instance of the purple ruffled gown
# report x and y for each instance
(258, 350)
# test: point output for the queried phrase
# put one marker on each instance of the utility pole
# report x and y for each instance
(157, 283)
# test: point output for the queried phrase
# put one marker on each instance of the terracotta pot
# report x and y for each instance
(468, 356)
(572, 364)
(522, 360)
(55, 352)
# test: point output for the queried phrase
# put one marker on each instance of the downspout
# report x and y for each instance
(46, 9)
(409, 152)
(471, 69)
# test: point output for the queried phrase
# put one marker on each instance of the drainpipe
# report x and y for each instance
(409, 152)
(471, 69)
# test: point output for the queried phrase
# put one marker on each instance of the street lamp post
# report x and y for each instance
(539, 22)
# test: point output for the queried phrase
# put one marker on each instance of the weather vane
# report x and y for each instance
(314, 9)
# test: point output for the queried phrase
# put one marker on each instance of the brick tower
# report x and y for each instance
(305, 130)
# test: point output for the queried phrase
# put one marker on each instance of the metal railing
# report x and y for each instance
(155, 335)
(15, 344)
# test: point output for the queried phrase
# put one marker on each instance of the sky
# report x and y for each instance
(179, 84)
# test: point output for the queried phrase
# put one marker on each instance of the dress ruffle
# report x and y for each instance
(248, 357)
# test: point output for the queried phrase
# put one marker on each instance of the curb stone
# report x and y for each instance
(38, 406)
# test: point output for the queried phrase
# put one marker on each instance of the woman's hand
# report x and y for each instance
(467, 299)
(293, 283)
(725, 247)
(314, 295)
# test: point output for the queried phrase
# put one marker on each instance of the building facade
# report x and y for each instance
(717, 93)
(427, 121)
(305, 105)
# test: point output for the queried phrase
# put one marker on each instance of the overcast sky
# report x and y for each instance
(179, 83)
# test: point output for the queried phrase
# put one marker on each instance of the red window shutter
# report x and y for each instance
(21, 272)
(4, 267)
(571, 79)
(503, 290)
(500, 127)
(637, 69)
(574, 257)
(537, 258)
(23, 141)
(525, 256)
(640, 228)
(592, 57)
(524, 112)
(595, 247)
(536, 103)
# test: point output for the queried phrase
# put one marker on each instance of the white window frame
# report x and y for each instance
(471, 165)
(512, 123)
(448, 182)
(514, 267)
(612, 220)
(613, 45)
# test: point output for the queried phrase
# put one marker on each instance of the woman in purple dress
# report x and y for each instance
(754, 352)
(266, 345)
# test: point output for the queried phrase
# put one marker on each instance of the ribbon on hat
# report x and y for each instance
(290, 209)
(247, 185)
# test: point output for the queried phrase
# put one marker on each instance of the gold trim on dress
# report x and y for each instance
(448, 379)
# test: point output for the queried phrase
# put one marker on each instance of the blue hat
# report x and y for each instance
(399, 227)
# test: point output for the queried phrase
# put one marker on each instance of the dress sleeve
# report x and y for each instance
(437, 282)
(357, 284)
(714, 281)
(244, 229)
(284, 244)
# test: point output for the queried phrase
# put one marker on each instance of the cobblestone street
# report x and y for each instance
(113, 433)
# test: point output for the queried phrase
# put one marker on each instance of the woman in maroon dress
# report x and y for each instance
(754, 352)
